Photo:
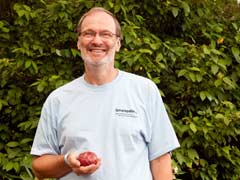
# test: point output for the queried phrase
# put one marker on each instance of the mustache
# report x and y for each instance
(97, 46)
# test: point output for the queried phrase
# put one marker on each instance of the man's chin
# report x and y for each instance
(96, 62)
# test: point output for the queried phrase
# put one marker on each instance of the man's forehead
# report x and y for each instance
(98, 18)
(99, 15)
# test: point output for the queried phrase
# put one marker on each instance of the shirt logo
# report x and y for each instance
(126, 112)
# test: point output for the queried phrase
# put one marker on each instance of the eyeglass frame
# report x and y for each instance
(92, 34)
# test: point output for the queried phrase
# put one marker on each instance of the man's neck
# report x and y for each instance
(100, 75)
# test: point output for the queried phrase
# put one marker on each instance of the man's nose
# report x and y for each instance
(97, 39)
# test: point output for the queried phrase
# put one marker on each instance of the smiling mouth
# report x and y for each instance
(97, 51)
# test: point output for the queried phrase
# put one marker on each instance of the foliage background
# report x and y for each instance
(190, 49)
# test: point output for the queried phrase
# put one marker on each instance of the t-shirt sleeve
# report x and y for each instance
(45, 140)
(162, 135)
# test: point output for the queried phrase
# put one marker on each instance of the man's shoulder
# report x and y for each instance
(67, 88)
(136, 79)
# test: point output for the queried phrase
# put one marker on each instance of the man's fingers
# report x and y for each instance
(87, 169)
(72, 159)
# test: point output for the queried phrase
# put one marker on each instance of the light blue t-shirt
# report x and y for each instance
(124, 122)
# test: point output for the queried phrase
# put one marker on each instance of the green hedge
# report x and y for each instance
(190, 49)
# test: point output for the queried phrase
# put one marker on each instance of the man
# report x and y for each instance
(118, 115)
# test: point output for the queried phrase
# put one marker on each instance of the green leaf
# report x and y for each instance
(13, 144)
(145, 51)
(226, 150)
(28, 63)
(218, 82)
(3, 28)
(25, 140)
(215, 51)
(9, 166)
(203, 95)
(20, 13)
(58, 52)
(3, 103)
(235, 26)
(226, 121)
(199, 77)
(70, 25)
(192, 154)
(159, 57)
(175, 11)
(218, 29)
(35, 67)
(214, 69)
(203, 162)
(27, 8)
(180, 158)
(192, 76)
(111, 5)
(219, 116)
(182, 72)
(229, 82)
(16, 166)
(236, 53)
(75, 53)
(186, 8)
(195, 69)
(1, 24)
(206, 49)
(193, 127)
(41, 86)
(140, 18)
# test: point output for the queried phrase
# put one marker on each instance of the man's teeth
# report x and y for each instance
(97, 50)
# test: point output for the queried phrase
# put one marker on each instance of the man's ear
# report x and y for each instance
(118, 46)
(78, 44)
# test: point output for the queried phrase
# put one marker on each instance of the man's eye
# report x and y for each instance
(89, 34)
(106, 35)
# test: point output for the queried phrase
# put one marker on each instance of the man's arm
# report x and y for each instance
(161, 167)
(50, 166)
(54, 166)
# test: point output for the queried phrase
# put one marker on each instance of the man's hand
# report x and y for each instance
(76, 167)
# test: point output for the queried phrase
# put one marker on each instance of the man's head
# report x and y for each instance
(99, 9)
(98, 37)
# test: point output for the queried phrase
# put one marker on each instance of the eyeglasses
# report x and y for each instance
(106, 35)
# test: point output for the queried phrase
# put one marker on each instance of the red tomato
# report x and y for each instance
(87, 158)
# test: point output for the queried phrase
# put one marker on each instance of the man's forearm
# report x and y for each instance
(50, 166)
(161, 168)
